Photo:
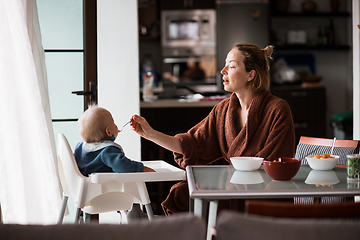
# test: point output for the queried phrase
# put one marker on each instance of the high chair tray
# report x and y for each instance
(164, 172)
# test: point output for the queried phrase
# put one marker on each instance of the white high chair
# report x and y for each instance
(95, 198)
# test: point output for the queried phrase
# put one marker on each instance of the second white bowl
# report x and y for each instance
(322, 164)
(246, 163)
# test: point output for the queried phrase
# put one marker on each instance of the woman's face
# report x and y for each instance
(234, 74)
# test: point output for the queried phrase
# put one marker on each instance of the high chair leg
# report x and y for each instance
(87, 217)
(62, 209)
(77, 215)
(149, 211)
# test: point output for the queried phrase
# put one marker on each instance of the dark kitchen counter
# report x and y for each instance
(180, 103)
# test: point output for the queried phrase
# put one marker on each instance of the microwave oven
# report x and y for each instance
(187, 33)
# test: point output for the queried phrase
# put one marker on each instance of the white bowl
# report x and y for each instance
(322, 164)
(246, 163)
(322, 178)
(241, 177)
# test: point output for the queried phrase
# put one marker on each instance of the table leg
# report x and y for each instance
(212, 218)
(198, 207)
(191, 205)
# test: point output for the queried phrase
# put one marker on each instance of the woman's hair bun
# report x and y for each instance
(268, 51)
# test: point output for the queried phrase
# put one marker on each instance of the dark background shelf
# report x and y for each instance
(311, 14)
(313, 47)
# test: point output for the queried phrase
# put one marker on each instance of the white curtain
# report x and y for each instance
(29, 186)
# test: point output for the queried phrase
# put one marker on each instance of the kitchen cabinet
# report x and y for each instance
(187, 4)
(308, 107)
(149, 22)
(169, 120)
(309, 30)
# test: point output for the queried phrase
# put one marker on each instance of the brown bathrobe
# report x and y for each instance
(269, 132)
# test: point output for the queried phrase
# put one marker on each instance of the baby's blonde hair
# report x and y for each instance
(92, 124)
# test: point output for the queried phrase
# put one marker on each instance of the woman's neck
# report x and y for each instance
(245, 98)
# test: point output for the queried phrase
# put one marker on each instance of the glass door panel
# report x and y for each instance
(61, 23)
(70, 130)
(65, 74)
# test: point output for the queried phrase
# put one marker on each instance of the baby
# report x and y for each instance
(99, 152)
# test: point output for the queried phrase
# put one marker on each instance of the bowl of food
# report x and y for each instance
(246, 163)
(282, 168)
(322, 162)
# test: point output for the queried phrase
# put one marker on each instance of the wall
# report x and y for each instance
(118, 71)
(356, 64)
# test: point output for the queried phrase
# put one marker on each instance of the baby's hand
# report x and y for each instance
(147, 169)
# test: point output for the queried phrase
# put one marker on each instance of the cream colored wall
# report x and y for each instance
(356, 68)
(118, 70)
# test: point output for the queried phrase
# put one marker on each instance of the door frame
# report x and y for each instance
(90, 50)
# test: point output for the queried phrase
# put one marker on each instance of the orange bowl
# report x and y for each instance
(281, 169)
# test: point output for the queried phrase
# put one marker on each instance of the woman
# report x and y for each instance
(251, 122)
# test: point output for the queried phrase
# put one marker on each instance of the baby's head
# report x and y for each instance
(97, 124)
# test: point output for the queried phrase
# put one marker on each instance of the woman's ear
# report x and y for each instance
(108, 132)
(251, 76)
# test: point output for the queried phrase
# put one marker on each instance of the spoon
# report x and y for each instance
(332, 147)
(124, 126)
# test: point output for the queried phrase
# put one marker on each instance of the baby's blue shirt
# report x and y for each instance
(105, 156)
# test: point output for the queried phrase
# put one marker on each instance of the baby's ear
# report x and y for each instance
(108, 132)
